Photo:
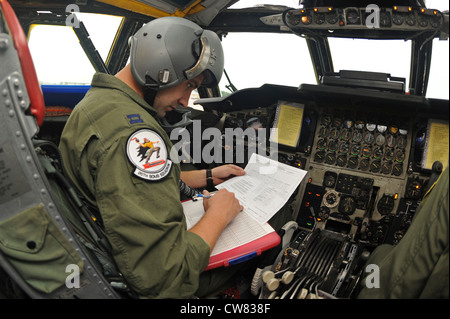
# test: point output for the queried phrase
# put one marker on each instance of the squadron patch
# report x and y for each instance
(147, 151)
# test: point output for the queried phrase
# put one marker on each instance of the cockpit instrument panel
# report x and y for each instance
(367, 158)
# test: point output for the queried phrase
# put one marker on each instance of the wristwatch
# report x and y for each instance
(209, 179)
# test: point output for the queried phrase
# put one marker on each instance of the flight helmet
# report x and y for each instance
(170, 50)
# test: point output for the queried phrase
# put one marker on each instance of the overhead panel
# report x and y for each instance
(159, 8)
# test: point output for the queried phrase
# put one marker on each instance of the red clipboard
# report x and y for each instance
(244, 236)
(245, 252)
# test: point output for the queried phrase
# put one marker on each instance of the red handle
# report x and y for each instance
(29, 72)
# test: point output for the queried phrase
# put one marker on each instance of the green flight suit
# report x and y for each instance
(418, 267)
(143, 219)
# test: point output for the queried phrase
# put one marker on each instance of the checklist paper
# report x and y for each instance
(240, 231)
(263, 190)
(265, 187)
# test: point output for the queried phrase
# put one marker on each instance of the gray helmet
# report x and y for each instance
(170, 50)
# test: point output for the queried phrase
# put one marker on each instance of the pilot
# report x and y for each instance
(418, 267)
(139, 202)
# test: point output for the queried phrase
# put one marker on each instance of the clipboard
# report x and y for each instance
(243, 239)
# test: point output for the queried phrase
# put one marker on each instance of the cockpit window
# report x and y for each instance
(439, 74)
(385, 56)
(57, 54)
(254, 59)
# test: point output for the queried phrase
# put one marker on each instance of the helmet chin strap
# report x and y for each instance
(185, 120)
(149, 94)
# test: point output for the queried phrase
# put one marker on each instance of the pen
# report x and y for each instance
(204, 196)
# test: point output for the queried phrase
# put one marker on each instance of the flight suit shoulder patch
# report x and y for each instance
(148, 153)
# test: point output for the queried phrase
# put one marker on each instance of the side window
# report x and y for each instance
(58, 56)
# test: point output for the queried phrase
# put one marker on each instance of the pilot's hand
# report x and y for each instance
(221, 173)
(223, 204)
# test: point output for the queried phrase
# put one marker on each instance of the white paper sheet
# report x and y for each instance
(240, 231)
(265, 188)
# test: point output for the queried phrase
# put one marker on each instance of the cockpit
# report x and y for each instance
(356, 91)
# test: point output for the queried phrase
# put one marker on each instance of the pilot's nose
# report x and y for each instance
(184, 100)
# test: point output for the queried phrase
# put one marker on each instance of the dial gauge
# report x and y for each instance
(353, 162)
(319, 157)
(386, 168)
(331, 199)
(341, 160)
(330, 158)
(364, 164)
(385, 205)
(397, 170)
(375, 166)
(329, 179)
(347, 205)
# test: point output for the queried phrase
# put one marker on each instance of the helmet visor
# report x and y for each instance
(210, 61)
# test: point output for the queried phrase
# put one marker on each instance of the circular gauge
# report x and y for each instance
(353, 17)
(364, 164)
(330, 158)
(397, 170)
(357, 137)
(332, 17)
(371, 127)
(341, 160)
(367, 151)
(359, 125)
(399, 156)
(331, 199)
(337, 122)
(332, 145)
(386, 168)
(393, 129)
(344, 148)
(319, 18)
(385, 19)
(348, 124)
(347, 205)
(385, 205)
(423, 21)
(333, 133)
(389, 154)
(329, 180)
(377, 153)
(355, 149)
(390, 140)
(403, 131)
(322, 144)
(411, 19)
(380, 139)
(324, 212)
(397, 19)
(435, 22)
(414, 190)
(326, 120)
(319, 157)
(345, 135)
(352, 162)
(401, 142)
(306, 19)
(375, 166)
(381, 128)
(369, 138)
(293, 19)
